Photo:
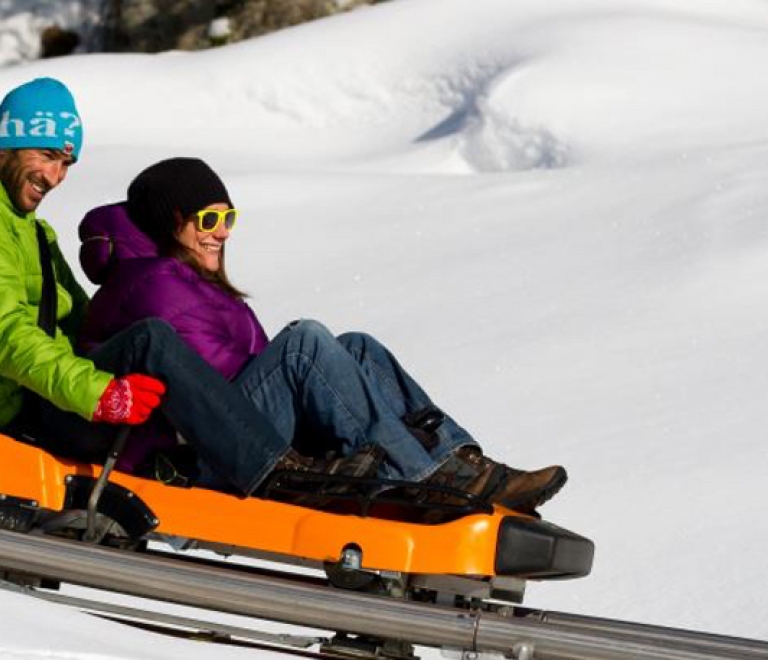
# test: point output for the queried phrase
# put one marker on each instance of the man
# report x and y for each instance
(40, 138)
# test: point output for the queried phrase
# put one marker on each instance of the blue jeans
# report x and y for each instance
(234, 438)
(351, 389)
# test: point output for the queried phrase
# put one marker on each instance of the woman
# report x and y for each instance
(161, 255)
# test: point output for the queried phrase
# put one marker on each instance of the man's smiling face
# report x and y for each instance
(29, 174)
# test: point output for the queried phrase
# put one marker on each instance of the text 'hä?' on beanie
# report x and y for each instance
(41, 114)
(185, 185)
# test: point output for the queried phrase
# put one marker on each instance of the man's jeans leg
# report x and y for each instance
(305, 377)
(401, 392)
(225, 428)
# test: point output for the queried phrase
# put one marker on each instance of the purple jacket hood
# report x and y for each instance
(108, 236)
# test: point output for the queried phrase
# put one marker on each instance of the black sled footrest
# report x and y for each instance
(380, 498)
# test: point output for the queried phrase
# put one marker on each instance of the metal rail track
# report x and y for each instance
(529, 636)
(173, 624)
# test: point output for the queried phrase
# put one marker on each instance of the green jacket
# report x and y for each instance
(28, 357)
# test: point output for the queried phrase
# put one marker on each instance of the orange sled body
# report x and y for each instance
(501, 543)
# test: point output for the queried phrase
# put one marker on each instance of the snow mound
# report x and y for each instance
(492, 139)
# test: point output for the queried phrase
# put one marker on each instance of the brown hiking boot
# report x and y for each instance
(526, 491)
(363, 463)
(326, 481)
(294, 461)
(468, 470)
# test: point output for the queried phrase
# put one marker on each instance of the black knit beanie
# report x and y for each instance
(185, 185)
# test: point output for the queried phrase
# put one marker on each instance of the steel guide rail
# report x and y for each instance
(129, 614)
(736, 647)
(531, 637)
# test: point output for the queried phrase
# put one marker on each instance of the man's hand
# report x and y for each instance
(129, 400)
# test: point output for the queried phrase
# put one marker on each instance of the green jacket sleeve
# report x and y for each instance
(29, 357)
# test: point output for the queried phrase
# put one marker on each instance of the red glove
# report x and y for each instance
(129, 400)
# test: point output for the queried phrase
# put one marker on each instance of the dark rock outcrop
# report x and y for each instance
(152, 26)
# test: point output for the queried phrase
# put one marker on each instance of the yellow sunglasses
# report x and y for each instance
(209, 220)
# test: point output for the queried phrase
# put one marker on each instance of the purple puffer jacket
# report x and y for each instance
(137, 284)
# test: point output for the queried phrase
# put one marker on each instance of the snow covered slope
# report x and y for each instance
(555, 213)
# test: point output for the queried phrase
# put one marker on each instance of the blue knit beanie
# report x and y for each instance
(41, 114)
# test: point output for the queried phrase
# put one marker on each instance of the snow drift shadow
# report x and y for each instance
(489, 137)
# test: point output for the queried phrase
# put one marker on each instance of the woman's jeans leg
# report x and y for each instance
(230, 434)
(306, 377)
(401, 392)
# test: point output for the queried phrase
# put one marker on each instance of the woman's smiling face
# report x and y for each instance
(205, 245)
